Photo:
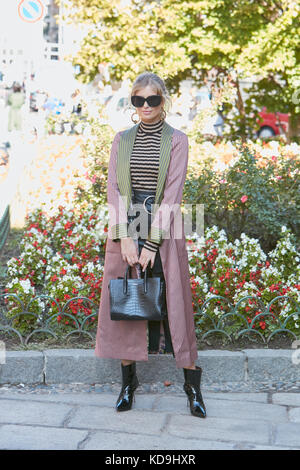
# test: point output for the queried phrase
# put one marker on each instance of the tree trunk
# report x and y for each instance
(293, 129)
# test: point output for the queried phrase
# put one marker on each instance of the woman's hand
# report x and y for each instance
(129, 251)
(146, 256)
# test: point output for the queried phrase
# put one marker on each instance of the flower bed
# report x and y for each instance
(255, 192)
(224, 153)
(60, 259)
(236, 287)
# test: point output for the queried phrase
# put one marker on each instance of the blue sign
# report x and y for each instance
(31, 10)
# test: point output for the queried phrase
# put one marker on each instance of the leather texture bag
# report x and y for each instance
(137, 299)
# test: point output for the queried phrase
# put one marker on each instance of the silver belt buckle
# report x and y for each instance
(145, 205)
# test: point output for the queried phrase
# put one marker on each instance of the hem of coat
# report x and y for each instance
(186, 360)
(119, 356)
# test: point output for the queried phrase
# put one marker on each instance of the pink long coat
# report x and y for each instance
(128, 339)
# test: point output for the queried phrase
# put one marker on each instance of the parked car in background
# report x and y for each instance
(272, 124)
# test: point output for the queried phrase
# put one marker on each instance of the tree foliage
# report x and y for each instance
(198, 39)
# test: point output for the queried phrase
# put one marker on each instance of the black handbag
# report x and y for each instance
(137, 299)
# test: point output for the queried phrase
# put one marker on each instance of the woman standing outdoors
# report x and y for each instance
(148, 165)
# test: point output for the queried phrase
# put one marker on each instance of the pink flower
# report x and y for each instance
(244, 198)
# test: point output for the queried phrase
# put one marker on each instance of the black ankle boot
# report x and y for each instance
(129, 384)
(192, 389)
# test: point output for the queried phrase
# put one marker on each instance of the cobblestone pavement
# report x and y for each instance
(69, 417)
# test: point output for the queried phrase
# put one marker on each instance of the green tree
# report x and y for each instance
(199, 39)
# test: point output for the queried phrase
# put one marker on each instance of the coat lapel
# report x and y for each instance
(123, 162)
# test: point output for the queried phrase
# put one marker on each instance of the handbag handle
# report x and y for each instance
(125, 282)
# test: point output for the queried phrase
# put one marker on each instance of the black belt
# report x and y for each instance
(147, 199)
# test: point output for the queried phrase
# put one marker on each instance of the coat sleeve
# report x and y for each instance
(171, 202)
(118, 220)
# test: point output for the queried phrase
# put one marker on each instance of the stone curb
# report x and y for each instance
(67, 366)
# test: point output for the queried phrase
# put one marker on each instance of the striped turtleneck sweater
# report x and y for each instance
(144, 162)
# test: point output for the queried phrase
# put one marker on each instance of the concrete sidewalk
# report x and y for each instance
(65, 399)
(51, 419)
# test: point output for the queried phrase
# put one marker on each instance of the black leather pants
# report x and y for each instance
(158, 332)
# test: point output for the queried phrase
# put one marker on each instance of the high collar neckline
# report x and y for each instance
(151, 127)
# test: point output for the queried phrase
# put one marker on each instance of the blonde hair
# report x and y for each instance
(157, 83)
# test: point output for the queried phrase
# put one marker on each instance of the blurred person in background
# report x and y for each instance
(76, 102)
(40, 115)
(15, 100)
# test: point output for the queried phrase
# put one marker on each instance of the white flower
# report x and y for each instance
(26, 286)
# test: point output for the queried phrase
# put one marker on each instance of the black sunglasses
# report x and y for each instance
(139, 101)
